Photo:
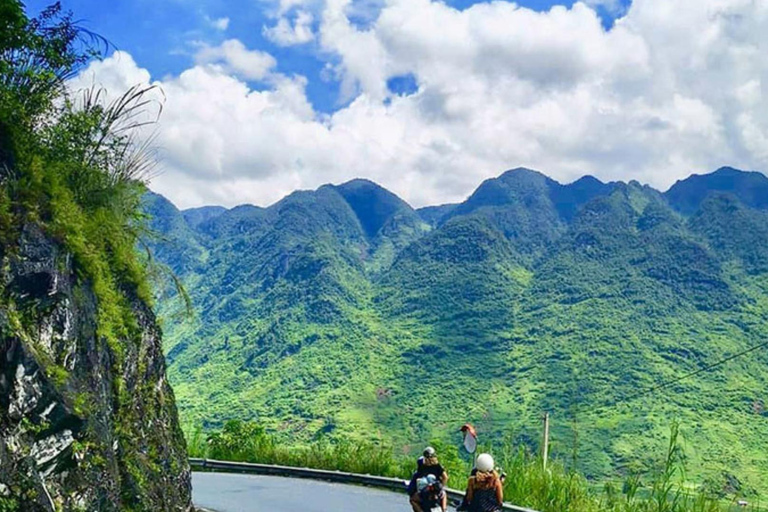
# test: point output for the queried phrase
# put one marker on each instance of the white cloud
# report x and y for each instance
(672, 88)
(116, 74)
(284, 6)
(219, 23)
(285, 33)
(233, 57)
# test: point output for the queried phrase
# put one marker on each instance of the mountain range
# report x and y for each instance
(344, 312)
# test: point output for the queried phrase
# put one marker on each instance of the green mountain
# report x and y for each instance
(433, 215)
(344, 312)
(751, 188)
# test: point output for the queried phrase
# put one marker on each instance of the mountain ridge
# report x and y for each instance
(729, 174)
(320, 316)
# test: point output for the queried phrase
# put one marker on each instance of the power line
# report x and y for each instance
(697, 372)
(666, 384)
(625, 401)
(641, 394)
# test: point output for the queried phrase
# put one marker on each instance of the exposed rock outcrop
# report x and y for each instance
(86, 423)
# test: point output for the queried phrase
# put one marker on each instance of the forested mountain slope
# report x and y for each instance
(343, 311)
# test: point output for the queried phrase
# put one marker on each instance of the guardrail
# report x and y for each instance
(320, 474)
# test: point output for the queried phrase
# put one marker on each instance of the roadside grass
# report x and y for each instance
(555, 489)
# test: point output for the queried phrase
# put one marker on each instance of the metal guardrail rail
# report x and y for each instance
(320, 474)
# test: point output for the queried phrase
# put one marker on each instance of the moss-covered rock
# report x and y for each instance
(81, 427)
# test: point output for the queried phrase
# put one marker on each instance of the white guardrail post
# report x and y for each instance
(318, 474)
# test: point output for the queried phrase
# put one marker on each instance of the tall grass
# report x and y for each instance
(248, 442)
(555, 489)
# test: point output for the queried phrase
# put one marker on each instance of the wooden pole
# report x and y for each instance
(545, 446)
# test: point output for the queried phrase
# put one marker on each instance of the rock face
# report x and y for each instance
(85, 424)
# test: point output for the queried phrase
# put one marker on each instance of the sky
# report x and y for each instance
(429, 98)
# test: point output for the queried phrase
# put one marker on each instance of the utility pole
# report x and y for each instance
(545, 445)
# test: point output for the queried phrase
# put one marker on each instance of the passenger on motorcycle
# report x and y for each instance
(429, 495)
(485, 492)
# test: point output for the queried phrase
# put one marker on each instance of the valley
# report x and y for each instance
(345, 313)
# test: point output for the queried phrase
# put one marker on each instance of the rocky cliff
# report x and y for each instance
(86, 422)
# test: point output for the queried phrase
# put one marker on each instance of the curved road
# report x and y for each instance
(223, 492)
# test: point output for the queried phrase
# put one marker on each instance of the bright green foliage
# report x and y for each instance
(80, 175)
(555, 489)
(8, 505)
(531, 296)
(249, 442)
(36, 57)
(70, 166)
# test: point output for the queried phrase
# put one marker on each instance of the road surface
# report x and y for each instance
(223, 492)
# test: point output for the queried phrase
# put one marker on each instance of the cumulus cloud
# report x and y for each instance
(234, 58)
(287, 33)
(672, 88)
(116, 74)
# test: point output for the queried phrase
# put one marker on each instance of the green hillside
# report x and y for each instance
(344, 312)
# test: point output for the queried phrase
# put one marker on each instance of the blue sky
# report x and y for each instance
(263, 97)
(160, 35)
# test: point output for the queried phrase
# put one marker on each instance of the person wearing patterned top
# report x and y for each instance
(485, 492)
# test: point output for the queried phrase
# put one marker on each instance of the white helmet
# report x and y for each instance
(485, 463)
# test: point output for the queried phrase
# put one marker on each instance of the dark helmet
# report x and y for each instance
(429, 452)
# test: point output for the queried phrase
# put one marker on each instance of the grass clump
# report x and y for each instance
(249, 442)
(72, 163)
(74, 167)
(8, 505)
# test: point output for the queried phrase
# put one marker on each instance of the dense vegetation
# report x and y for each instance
(528, 483)
(328, 316)
(70, 162)
(72, 174)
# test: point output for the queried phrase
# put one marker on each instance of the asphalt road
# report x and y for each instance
(250, 493)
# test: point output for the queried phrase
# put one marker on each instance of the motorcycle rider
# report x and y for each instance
(428, 466)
